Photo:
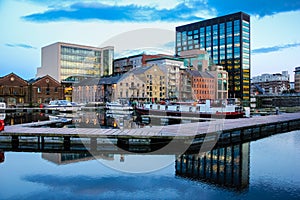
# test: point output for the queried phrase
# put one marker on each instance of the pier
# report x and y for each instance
(223, 131)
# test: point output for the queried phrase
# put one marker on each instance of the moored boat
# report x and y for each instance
(2, 106)
(63, 106)
(116, 107)
(227, 110)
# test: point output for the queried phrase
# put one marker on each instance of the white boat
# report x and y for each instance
(118, 106)
(63, 106)
(2, 106)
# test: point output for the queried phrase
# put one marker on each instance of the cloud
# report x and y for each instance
(192, 10)
(274, 48)
(100, 11)
(255, 7)
(25, 46)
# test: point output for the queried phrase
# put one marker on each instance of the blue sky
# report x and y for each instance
(134, 25)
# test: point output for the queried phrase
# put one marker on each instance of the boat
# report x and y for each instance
(63, 106)
(2, 106)
(118, 108)
(204, 109)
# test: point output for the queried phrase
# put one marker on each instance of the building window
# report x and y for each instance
(39, 90)
(11, 90)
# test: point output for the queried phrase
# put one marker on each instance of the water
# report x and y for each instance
(264, 169)
(273, 174)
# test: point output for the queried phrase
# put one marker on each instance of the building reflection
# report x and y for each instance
(225, 166)
(68, 158)
(24, 117)
(103, 119)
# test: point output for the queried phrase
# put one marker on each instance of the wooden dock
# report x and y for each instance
(226, 130)
(178, 130)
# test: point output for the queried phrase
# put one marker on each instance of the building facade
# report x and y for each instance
(297, 79)
(125, 64)
(107, 90)
(171, 68)
(271, 83)
(197, 59)
(221, 82)
(130, 87)
(62, 60)
(154, 80)
(86, 90)
(14, 90)
(203, 85)
(44, 89)
(185, 86)
(227, 40)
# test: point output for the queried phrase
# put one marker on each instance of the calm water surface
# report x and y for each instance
(272, 172)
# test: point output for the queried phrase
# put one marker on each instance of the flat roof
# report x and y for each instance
(215, 20)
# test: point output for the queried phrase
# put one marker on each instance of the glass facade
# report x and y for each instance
(227, 41)
(78, 61)
(108, 56)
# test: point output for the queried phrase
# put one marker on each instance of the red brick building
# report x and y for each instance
(45, 89)
(203, 85)
(13, 90)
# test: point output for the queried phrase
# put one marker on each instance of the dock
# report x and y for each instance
(218, 130)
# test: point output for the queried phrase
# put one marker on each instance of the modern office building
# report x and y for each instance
(63, 60)
(227, 40)
(297, 79)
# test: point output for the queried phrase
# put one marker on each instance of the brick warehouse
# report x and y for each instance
(15, 91)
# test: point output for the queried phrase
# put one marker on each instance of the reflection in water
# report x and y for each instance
(103, 120)
(225, 166)
(93, 119)
(274, 175)
(67, 158)
(24, 117)
(2, 157)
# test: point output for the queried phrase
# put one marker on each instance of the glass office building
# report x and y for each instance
(63, 60)
(227, 40)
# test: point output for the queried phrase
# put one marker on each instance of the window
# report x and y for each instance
(39, 90)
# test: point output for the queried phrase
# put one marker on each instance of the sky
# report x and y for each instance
(133, 26)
